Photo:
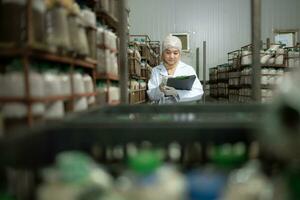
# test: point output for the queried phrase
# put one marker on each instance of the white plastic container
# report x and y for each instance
(65, 84)
(89, 17)
(36, 84)
(279, 57)
(297, 59)
(57, 28)
(80, 104)
(246, 58)
(108, 61)
(100, 36)
(291, 61)
(272, 61)
(114, 93)
(113, 41)
(52, 83)
(78, 83)
(114, 64)
(265, 59)
(14, 87)
(264, 80)
(83, 37)
(101, 97)
(55, 110)
(101, 66)
(53, 87)
(89, 87)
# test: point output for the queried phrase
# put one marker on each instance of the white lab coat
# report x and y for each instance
(182, 69)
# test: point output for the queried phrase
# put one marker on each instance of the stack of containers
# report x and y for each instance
(130, 54)
(77, 34)
(134, 61)
(114, 93)
(134, 91)
(89, 88)
(102, 93)
(79, 88)
(49, 83)
(91, 31)
(213, 82)
(294, 57)
(107, 51)
(269, 79)
(222, 74)
(143, 88)
(12, 86)
(233, 85)
(57, 26)
(53, 88)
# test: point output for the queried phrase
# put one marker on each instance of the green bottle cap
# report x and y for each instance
(229, 156)
(145, 162)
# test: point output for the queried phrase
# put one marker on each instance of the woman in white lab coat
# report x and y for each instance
(172, 67)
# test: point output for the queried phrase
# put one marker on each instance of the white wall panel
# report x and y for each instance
(223, 24)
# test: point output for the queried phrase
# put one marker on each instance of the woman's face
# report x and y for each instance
(171, 56)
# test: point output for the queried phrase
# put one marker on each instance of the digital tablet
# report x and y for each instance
(181, 82)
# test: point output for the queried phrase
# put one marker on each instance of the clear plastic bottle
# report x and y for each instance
(89, 87)
(53, 87)
(81, 102)
(75, 177)
(14, 87)
(148, 179)
(248, 183)
(57, 31)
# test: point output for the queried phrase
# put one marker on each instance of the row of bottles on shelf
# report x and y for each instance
(149, 50)
(294, 57)
(273, 55)
(107, 62)
(107, 59)
(137, 85)
(229, 175)
(45, 81)
(244, 95)
(56, 24)
(59, 26)
(269, 76)
(136, 65)
(137, 91)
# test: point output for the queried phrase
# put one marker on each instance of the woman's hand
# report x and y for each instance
(170, 91)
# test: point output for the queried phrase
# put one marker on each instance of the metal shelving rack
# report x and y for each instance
(27, 55)
(32, 51)
(113, 23)
(145, 48)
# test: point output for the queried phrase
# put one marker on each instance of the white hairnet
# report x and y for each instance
(172, 42)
